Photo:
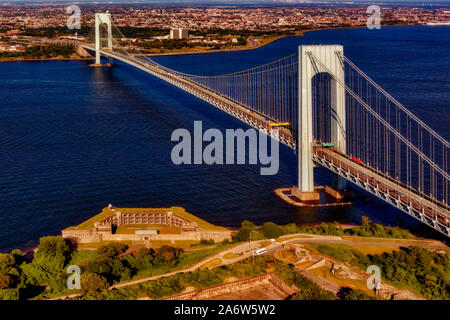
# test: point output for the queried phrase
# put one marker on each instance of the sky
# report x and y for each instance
(241, 2)
(237, 1)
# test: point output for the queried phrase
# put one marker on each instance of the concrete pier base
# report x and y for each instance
(295, 197)
(337, 195)
(307, 197)
(99, 65)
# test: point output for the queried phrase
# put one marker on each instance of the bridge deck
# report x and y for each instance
(407, 199)
(237, 110)
(416, 204)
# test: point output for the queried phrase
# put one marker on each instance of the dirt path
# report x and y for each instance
(321, 282)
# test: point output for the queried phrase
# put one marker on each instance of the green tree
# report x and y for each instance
(9, 294)
(365, 221)
(53, 253)
(145, 258)
(6, 281)
(418, 268)
(353, 294)
(91, 283)
(169, 255)
(271, 231)
(244, 231)
(112, 250)
(48, 263)
(18, 256)
(112, 269)
(7, 262)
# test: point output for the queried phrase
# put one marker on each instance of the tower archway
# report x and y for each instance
(102, 20)
(329, 56)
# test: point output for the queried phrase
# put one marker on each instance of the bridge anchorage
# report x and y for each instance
(331, 113)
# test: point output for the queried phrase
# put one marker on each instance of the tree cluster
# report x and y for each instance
(270, 230)
(47, 271)
(41, 52)
(420, 268)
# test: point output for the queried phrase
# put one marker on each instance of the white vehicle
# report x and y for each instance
(260, 251)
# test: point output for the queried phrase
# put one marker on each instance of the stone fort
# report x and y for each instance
(101, 227)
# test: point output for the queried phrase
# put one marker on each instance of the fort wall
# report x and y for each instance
(238, 285)
(103, 230)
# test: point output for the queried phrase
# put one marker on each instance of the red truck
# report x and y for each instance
(357, 160)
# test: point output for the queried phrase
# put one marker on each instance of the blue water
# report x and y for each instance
(73, 139)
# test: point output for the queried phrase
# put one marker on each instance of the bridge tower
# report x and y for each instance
(102, 19)
(329, 57)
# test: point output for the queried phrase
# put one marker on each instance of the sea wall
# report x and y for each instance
(90, 236)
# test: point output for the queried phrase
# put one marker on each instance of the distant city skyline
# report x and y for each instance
(237, 2)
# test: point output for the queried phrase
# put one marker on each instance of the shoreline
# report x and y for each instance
(246, 48)
(300, 33)
(44, 59)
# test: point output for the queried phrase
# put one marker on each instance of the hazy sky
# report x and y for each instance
(212, 2)
(236, 1)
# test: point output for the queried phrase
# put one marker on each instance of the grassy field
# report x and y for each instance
(284, 238)
(342, 252)
(381, 240)
(369, 249)
(155, 244)
(85, 246)
(192, 257)
(230, 255)
(265, 243)
(210, 264)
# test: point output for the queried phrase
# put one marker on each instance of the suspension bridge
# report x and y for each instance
(326, 109)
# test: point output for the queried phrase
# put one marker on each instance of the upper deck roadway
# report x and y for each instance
(428, 210)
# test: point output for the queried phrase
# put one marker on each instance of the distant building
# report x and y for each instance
(183, 33)
(179, 33)
(13, 32)
(13, 48)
